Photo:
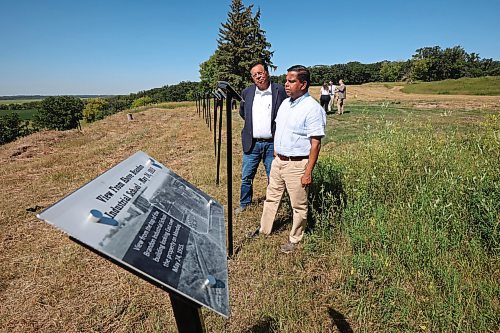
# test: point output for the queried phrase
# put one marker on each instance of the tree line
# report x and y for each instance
(241, 43)
(427, 64)
(66, 112)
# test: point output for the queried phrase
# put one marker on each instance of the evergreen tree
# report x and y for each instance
(241, 43)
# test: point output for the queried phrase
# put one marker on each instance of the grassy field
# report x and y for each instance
(485, 86)
(23, 114)
(18, 101)
(403, 234)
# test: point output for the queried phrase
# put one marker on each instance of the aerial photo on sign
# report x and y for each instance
(148, 218)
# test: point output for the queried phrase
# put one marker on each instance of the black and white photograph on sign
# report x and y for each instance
(150, 219)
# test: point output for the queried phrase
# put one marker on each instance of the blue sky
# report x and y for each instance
(121, 46)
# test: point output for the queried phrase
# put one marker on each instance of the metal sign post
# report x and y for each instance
(188, 316)
(231, 94)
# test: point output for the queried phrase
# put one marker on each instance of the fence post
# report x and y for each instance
(231, 94)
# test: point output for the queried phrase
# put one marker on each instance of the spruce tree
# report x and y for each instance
(241, 43)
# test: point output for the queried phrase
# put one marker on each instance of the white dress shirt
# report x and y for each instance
(296, 123)
(261, 113)
(332, 89)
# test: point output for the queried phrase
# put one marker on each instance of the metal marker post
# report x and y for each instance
(221, 103)
(187, 314)
(229, 165)
(209, 99)
(231, 94)
(217, 97)
(198, 103)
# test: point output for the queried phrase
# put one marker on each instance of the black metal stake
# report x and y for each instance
(229, 152)
(219, 143)
(216, 104)
(204, 106)
(209, 112)
(187, 313)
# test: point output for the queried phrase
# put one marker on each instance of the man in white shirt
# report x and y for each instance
(300, 126)
(259, 108)
(332, 88)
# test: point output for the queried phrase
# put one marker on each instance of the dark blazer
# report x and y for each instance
(279, 95)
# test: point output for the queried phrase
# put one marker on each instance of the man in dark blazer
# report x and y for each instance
(259, 107)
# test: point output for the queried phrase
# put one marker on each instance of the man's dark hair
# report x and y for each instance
(303, 74)
(260, 63)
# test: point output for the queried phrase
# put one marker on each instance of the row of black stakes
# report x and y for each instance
(209, 105)
(223, 92)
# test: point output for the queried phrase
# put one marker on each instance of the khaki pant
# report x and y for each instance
(331, 105)
(286, 174)
(340, 105)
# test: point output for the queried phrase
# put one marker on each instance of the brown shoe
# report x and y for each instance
(288, 247)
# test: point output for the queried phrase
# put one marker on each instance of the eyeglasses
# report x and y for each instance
(258, 74)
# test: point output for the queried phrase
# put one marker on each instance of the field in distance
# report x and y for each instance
(19, 101)
(485, 86)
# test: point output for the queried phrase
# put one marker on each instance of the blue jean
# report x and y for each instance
(261, 151)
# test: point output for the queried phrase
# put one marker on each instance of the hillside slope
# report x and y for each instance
(361, 269)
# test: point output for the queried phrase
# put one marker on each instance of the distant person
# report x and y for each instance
(258, 108)
(300, 125)
(324, 98)
(341, 96)
(331, 88)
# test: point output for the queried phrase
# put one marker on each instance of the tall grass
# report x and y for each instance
(419, 211)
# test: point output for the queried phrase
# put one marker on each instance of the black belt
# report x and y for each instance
(292, 158)
(264, 140)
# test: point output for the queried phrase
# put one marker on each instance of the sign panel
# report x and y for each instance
(148, 218)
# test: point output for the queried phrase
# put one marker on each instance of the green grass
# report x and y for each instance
(360, 119)
(417, 201)
(487, 86)
(23, 114)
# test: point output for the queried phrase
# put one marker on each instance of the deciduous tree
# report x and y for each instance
(11, 127)
(60, 113)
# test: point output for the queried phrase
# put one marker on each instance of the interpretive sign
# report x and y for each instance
(156, 223)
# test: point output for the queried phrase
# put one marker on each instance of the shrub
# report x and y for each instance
(95, 109)
(11, 127)
(142, 101)
(60, 113)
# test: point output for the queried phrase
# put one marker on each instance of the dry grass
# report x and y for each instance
(378, 92)
(50, 284)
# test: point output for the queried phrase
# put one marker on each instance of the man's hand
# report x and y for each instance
(306, 180)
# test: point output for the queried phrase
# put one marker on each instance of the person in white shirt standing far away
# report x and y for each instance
(332, 88)
(300, 126)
